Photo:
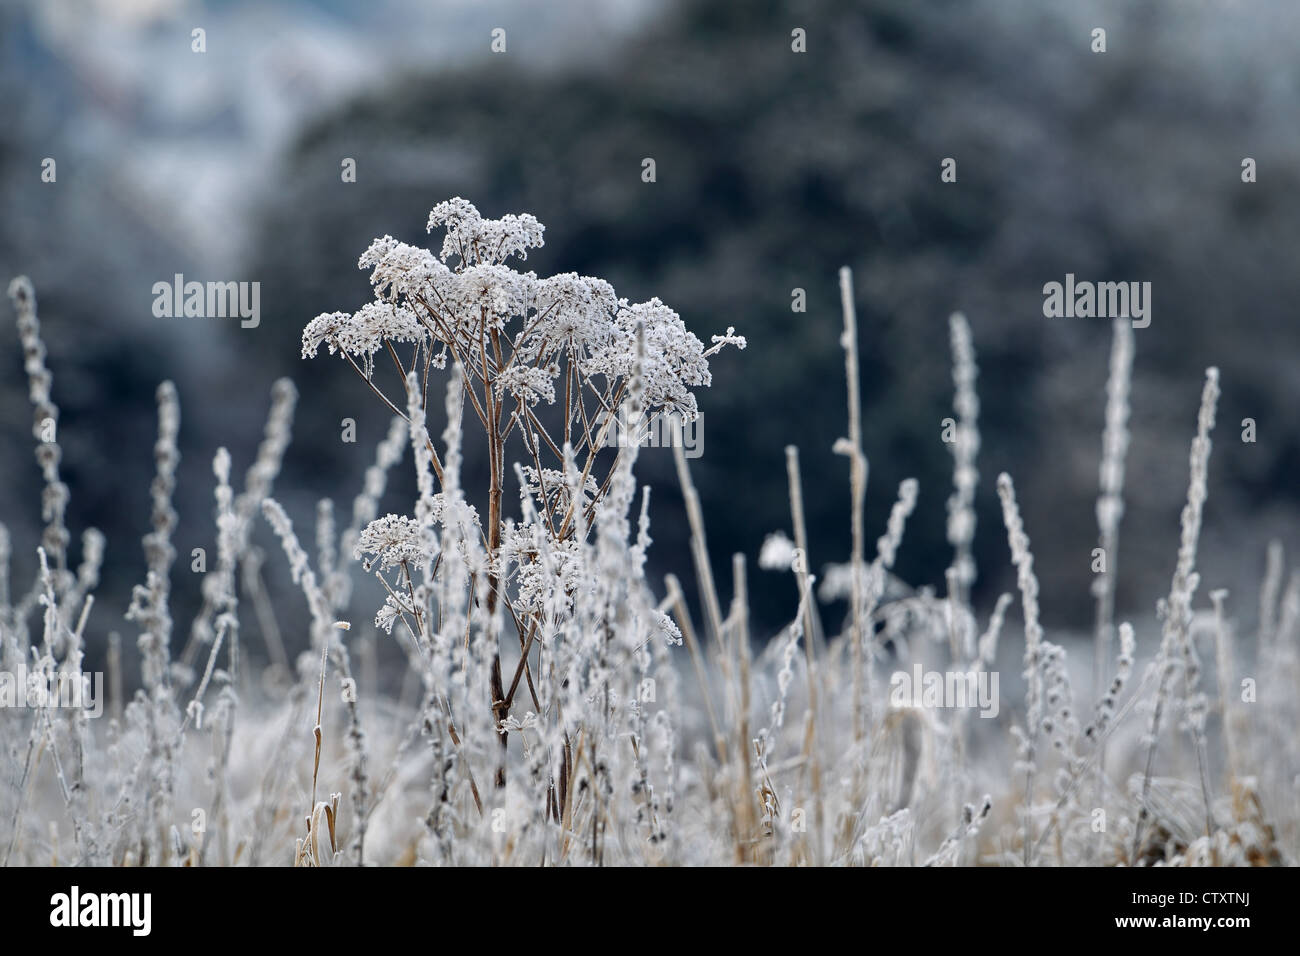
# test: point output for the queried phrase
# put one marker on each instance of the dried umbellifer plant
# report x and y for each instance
(548, 367)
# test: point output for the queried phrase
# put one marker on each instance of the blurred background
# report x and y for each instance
(774, 168)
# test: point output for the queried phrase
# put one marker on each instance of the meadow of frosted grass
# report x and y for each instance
(560, 708)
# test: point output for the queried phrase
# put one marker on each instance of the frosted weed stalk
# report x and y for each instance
(546, 718)
(549, 613)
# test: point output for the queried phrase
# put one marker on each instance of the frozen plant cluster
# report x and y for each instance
(561, 586)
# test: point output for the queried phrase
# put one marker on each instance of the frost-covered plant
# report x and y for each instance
(572, 608)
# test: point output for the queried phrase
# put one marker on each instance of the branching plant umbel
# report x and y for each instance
(547, 367)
